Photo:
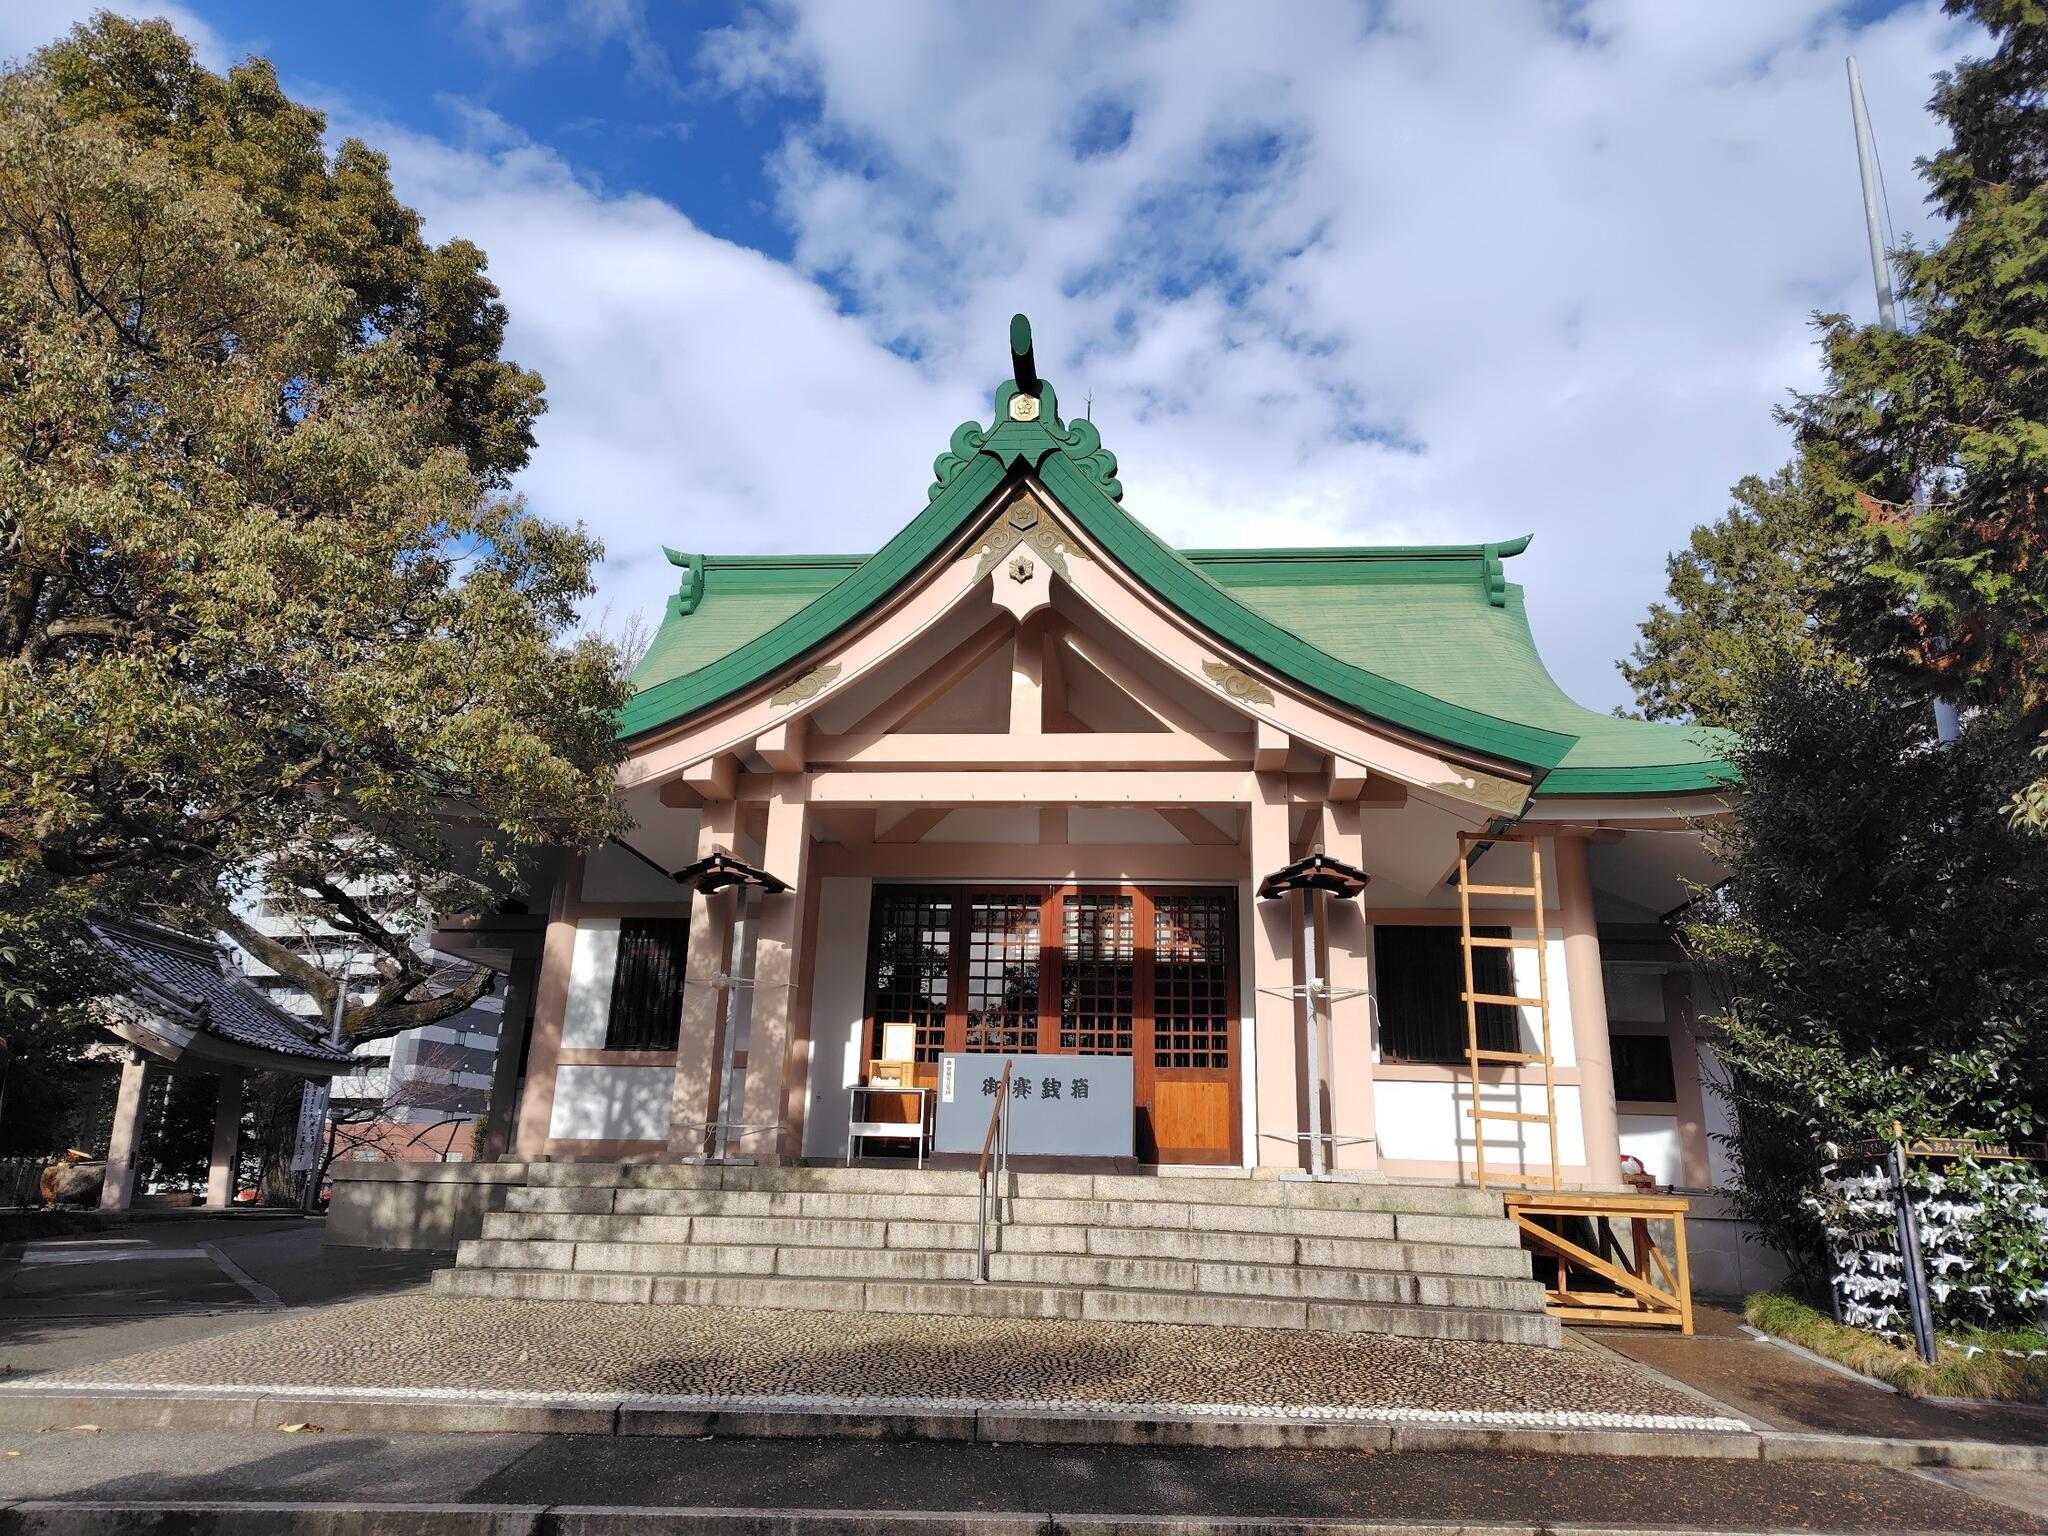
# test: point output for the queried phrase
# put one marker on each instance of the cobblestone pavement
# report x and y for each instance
(426, 1343)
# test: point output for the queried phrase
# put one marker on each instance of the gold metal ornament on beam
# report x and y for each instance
(1027, 523)
(1240, 685)
(809, 686)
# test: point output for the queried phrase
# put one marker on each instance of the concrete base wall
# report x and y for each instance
(1725, 1260)
(416, 1205)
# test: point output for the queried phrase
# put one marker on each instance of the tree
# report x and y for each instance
(1930, 446)
(1877, 953)
(1745, 593)
(264, 613)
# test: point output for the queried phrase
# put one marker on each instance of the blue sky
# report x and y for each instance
(1391, 272)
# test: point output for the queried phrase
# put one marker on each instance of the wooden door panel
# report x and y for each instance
(1190, 1120)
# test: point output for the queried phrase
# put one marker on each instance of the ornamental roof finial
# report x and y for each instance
(1023, 366)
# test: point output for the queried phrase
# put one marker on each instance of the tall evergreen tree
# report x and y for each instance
(1930, 445)
(262, 605)
(1744, 594)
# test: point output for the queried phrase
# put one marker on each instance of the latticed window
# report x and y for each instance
(1419, 974)
(913, 958)
(1098, 975)
(647, 986)
(1191, 1005)
(1002, 973)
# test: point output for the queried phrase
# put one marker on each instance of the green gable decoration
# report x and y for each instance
(1432, 639)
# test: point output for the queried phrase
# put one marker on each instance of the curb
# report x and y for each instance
(51, 1518)
(191, 1409)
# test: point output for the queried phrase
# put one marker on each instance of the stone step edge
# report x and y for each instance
(1220, 1209)
(1497, 1223)
(448, 1281)
(32, 1404)
(1014, 1253)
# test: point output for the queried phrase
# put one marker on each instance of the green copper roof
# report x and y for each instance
(1434, 640)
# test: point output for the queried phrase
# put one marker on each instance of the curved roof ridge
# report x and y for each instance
(722, 651)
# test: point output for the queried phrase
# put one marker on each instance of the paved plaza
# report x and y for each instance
(424, 1344)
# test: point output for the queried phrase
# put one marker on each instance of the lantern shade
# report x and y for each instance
(723, 869)
(1317, 872)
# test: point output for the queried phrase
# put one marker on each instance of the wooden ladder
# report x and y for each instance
(1474, 1054)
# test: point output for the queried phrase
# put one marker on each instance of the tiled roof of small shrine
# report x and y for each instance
(187, 981)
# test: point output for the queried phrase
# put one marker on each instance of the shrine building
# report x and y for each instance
(1016, 779)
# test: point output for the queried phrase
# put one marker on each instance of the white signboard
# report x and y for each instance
(312, 1127)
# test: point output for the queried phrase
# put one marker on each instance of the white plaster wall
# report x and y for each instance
(1426, 1122)
(611, 873)
(838, 1011)
(1654, 1140)
(1563, 1050)
(589, 1005)
(612, 1103)
(1119, 824)
(985, 824)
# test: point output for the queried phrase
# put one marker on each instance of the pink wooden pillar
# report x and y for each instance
(777, 972)
(1274, 1015)
(117, 1189)
(700, 1044)
(227, 1134)
(1347, 942)
(1589, 1013)
(550, 1003)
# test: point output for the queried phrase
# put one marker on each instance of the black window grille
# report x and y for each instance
(910, 959)
(1419, 973)
(1642, 1069)
(647, 987)
(1191, 1002)
(1098, 975)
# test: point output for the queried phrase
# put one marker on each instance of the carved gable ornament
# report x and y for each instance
(1027, 523)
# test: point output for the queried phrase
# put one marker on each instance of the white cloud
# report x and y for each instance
(26, 27)
(1457, 273)
(700, 394)
(1413, 273)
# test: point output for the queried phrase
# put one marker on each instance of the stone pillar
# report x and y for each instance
(785, 853)
(700, 1040)
(227, 1135)
(550, 1003)
(1589, 1013)
(1347, 963)
(1275, 1016)
(515, 1027)
(118, 1189)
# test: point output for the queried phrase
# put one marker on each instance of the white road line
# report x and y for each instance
(262, 1294)
(109, 1255)
(1530, 1418)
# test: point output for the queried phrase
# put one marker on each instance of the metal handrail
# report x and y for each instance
(998, 1139)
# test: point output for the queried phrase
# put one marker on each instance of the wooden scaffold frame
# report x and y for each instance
(1649, 1288)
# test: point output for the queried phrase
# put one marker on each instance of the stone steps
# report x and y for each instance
(1491, 1259)
(1178, 1189)
(1286, 1281)
(1414, 1260)
(1003, 1299)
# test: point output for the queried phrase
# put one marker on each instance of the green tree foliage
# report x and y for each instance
(1877, 954)
(1745, 593)
(262, 606)
(1954, 410)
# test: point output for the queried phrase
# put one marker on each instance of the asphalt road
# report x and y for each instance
(88, 1296)
(851, 1475)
